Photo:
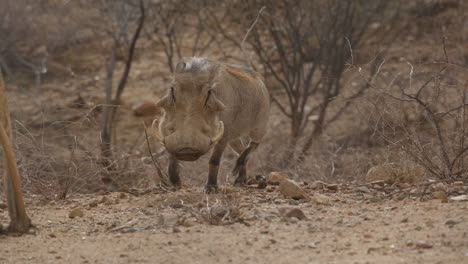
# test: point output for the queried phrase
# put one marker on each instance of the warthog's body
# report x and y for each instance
(212, 104)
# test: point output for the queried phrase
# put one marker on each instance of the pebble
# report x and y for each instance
(145, 108)
(275, 178)
(317, 185)
(3, 206)
(332, 187)
(321, 199)
(168, 219)
(460, 198)
(422, 244)
(290, 188)
(363, 189)
(292, 212)
(77, 212)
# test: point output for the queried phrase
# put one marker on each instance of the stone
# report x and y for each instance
(189, 222)
(292, 212)
(275, 178)
(422, 244)
(460, 198)
(290, 188)
(3, 206)
(145, 108)
(378, 183)
(362, 189)
(317, 185)
(321, 199)
(168, 219)
(332, 187)
(77, 212)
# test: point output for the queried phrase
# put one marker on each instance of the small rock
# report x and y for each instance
(317, 185)
(422, 244)
(168, 219)
(189, 222)
(460, 198)
(77, 212)
(3, 206)
(441, 195)
(459, 183)
(451, 223)
(93, 204)
(275, 178)
(378, 183)
(145, 108)
(332, 187)
(321, 199)
(122, 195)
(291, 189)
(292, 212)
(362, 189)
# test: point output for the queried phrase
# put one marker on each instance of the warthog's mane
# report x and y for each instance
(196, 66)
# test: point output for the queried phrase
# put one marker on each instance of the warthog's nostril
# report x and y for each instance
(187, 154)
(187, 151)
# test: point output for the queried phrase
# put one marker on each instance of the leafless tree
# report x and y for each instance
(20, 221)
(122, 21)
(178, 28)
(305, 47)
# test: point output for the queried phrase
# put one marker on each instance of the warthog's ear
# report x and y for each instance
(213, 103)
(180, 67)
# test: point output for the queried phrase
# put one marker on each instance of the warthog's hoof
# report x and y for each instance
(209, 188)
(240, 182)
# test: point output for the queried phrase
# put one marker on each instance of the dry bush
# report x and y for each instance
(424, 114)
(304, 46)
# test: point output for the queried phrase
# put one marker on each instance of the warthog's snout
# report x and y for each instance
(187, 154)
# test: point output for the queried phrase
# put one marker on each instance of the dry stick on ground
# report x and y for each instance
(161, 173)
(20, 221)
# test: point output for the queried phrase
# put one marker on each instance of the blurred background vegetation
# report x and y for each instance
(361, 89)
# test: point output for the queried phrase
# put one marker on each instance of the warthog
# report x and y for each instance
(211, 104)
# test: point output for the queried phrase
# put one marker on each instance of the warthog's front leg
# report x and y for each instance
(174, 169)
(241, 165)
(212, 184)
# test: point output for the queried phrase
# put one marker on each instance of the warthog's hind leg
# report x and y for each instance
(174, 169)
(241, 165)
(212, 184)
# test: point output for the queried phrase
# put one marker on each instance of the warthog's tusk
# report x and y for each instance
(156, 132)
(220, 134)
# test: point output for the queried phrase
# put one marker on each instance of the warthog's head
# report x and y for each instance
(190, 125)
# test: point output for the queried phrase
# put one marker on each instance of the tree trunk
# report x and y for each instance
(20, 221)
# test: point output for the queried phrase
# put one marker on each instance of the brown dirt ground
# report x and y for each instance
(240, 226)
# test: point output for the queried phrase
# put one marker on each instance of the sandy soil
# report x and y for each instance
(245, 225)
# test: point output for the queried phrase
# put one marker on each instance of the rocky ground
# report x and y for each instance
(349, 223)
